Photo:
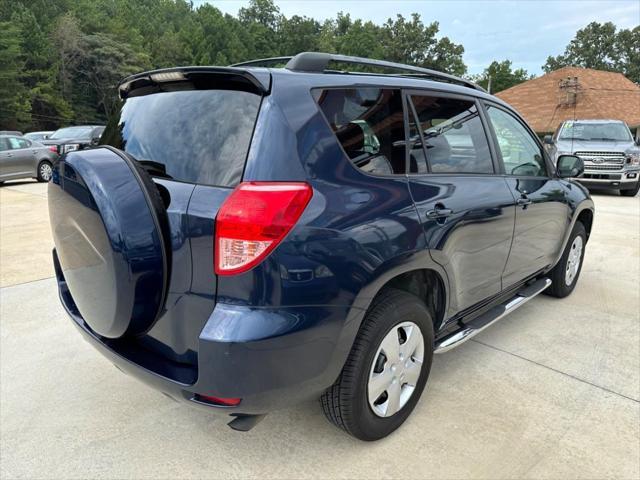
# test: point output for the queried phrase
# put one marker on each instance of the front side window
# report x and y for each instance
(521, 154)
(448, 137)
(369, 124)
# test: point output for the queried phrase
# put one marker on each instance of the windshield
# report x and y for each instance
(80, 133)
(196, 136)
(614, 132)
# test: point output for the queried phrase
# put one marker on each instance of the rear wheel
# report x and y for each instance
(387, 368)
(45, 171)
(564, 275)
(631, 192)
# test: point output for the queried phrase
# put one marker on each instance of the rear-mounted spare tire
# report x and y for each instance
(111, 233)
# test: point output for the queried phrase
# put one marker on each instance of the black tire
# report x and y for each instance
(559, 287)
(41, 177)
(631, 192)
(346, 402)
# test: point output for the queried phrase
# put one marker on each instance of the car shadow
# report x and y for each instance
(15, 183)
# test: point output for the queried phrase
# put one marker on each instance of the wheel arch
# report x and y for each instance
(421, 277)
(586, 218)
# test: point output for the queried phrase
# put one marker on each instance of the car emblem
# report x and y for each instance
(598, 160)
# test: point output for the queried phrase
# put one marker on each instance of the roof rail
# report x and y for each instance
(262, 62)
(317, 62)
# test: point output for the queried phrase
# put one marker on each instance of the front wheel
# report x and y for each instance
(387, 368)
(564, 275)
(45, 171)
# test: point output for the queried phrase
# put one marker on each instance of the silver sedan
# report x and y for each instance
(23, 158)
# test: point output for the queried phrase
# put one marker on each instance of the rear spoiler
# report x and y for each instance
(255, 80)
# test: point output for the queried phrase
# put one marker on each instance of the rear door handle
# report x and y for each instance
(439, 213)
(523, 201)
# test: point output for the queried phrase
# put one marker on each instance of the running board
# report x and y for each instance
(490, 317)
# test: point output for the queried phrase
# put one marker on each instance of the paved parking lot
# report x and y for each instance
(553, 391)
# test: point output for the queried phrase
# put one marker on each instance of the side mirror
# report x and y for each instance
(569, 166)
(548, 139)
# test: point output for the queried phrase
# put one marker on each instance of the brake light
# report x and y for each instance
(53, 148)
(253, 220)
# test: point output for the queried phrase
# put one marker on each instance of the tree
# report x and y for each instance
(15, 111)
(502, 76)
(106, 62)
(298, 34)
(412, 42)
(601, 47)
(60, 60)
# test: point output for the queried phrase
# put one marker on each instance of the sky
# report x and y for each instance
(523, 31)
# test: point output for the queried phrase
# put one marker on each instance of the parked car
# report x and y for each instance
(15, 133)
(79, 137)
(38, 136)
(23, 158)
(610, 154)
(251, 237)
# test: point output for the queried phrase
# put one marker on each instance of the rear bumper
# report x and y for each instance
(270, 358)
(603, 179)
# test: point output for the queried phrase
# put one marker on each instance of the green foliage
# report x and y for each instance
(601, 46)
(61, 60)
(502, 76)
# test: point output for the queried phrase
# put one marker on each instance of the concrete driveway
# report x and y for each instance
(552, 391)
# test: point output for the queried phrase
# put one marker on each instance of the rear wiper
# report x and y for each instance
(156, 169)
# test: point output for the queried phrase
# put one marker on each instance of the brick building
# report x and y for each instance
(575, 93)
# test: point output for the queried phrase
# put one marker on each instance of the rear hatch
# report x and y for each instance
(133, 221)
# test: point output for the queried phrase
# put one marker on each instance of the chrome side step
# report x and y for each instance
(490, 317)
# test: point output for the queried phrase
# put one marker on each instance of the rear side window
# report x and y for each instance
(451, 134)
(369, 125)
(196, 136)
(17, 143)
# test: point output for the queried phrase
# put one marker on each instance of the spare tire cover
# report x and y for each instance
(108, 232)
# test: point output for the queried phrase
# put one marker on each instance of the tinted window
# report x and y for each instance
(521, 154)
(198, 136)
(370, 126)
(452, 134)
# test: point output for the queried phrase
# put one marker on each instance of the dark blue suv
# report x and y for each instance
(249, 237)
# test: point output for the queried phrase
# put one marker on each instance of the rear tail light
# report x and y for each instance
(53, 148)
(253, 220)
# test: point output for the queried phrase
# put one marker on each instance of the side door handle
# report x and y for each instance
(439, 211)
(523, 201)
(9, 154)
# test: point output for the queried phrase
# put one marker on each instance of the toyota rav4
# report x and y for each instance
(248, 237)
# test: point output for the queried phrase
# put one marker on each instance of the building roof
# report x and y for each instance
(573, 93)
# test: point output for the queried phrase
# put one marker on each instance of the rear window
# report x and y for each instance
(196, 136)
